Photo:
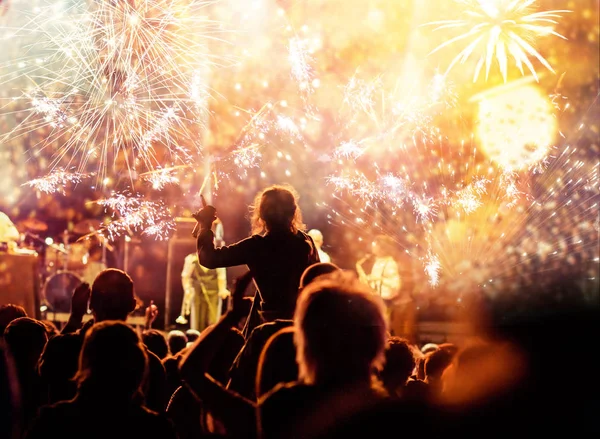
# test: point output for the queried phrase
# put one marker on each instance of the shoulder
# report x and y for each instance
(156, 370)
(153, 360)
(269, 327)
(54, 413)
(191, 258)
(304, 236)
(264, 331)
(249, 241)
(71, 339)
(284, 393)
(61, 348)
(157, 424)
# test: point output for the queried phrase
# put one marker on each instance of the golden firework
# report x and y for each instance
(500, 29)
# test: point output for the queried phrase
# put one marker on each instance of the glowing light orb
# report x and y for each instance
(516, 127)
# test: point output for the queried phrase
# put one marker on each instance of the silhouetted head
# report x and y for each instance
(315, 270)
(26, 338)
(177, 341)
(192, 335)
(8, 313)
(316, 236)
(112, 296)
(226, 354)
(156, 343)
(429, 347)
(51, 328)
(436, 363)
(277, 363)
(276, 209)
(340, 330)
(113, 362)
(399, 363)
(10, 395)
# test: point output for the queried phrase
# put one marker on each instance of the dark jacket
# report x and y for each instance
(276, 260)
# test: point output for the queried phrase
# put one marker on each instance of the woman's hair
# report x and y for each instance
(341, 330)
(112, 360)
(276, 208)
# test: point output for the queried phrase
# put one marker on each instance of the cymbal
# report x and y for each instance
(34, 225)
(87, 226)
(58, 248)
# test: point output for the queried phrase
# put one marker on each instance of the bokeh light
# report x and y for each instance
(516, 125)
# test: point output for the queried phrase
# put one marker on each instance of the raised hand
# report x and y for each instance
(239, 305)
(224, 294)
(205, 217)
(80, 300)
(151, 314)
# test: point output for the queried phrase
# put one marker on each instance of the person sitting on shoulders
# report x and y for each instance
(277, 253)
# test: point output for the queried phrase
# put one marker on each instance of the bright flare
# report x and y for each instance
(516, 127)
(500, 29)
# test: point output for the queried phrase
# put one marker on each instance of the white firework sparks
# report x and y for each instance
(287, 126)
(500, 29)
(508, 183)
(247, 157)
(300, 61)
(424, 208)
(161, 178)
(57, 181)
(117, 78)
(402, 115)
(468, 199)
(432, 268)
(349, 149)
(360, 94)
(133, 213)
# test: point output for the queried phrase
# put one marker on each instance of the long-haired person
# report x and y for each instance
(277, 253)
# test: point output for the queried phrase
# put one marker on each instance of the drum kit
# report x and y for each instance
(78, 256)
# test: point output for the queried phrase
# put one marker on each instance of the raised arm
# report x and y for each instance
(211, 257)
(236, 412)
(79, 306)
(239, 253)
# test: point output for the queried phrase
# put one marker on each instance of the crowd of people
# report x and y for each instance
(311, 355)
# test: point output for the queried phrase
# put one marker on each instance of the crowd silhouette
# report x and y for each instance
(311, 355)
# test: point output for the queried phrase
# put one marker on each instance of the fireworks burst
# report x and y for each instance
(56, 181)
(350, 149)
(115, 82)
(432, 268)
(266, 127)
(375, 116)
(500, 29)
(300, 59)
(424, 208)
(133, 213)
(247, 157)
(161, 178)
